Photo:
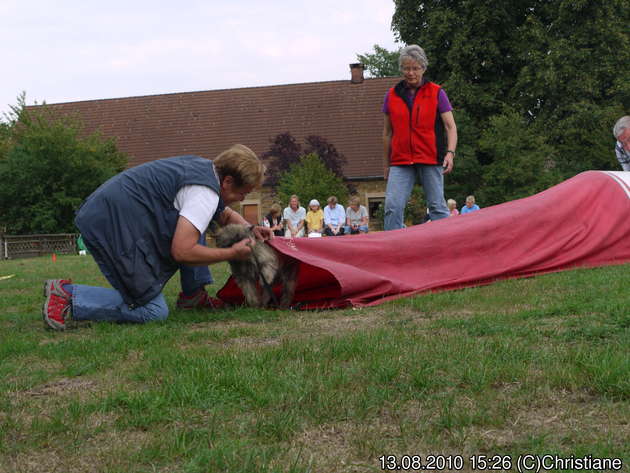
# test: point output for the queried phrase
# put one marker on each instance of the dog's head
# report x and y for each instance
(233, 233)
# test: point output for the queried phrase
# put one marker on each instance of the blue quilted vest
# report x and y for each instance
(128, 223)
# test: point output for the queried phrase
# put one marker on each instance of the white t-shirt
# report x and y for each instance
(197, 204)
(294, 217)
(356, 217)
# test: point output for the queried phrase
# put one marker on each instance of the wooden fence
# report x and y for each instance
(24, 246)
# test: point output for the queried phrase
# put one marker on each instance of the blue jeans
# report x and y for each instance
(104, 304)
(400, 184)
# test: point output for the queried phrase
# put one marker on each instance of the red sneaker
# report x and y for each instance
(199, 300)
(57, 306)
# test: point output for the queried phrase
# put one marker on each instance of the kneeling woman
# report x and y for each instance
(146, 223)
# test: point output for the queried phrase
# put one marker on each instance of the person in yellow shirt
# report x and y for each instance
(314, 219)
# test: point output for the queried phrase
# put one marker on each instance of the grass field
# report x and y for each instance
(529, 366)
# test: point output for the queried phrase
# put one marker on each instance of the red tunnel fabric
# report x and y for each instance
(582, 222)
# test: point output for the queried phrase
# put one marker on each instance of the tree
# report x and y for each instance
(380, 63)
(310, 179)
(575, 81)
(522, 163)
(332, 159)
(285, 151)
(50, 166)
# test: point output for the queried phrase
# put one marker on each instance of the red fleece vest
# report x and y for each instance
(414, 139)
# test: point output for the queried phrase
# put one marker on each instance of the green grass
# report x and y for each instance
(538, 365)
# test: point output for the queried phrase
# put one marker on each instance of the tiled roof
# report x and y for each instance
(205, 123)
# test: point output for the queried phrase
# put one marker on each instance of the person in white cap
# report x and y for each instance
(314, 219)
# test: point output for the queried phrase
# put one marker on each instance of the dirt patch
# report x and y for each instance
(563, 418)
(99, 453)
(330, 448)
(62, 387)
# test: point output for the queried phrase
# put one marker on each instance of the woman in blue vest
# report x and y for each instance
(419, 139)
(146, 223)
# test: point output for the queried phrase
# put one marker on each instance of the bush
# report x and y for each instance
(49, 167)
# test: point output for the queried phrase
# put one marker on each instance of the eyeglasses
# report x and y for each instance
(412, 69)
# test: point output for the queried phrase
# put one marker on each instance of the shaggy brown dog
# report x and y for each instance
(264, 268)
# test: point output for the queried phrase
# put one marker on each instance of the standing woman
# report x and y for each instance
(419, 139)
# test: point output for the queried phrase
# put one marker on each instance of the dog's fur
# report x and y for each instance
(264, 262)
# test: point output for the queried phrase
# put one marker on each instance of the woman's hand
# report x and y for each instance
(263, 233)
(242, 249)
(448, 163)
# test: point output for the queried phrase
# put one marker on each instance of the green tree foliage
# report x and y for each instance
(285, 151)
(380, 63)
(49, 167)
(470, 47)
(522, 163)
(310, 179)
(559, 67)
(329, 155)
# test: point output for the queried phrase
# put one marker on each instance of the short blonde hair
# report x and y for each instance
(354, 200)
(242, 164)
(332, 199)
(470, 198)
(451, 202)
(275, 209)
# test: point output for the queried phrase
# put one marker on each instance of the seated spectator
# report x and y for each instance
(356, 217)
(273, 220)
(294, 218)
(314, 219)
(470, 205)
(452, 207)
(622, 146)
(334, 218)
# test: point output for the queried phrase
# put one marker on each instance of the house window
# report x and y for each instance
(374, 204)
(375, 211)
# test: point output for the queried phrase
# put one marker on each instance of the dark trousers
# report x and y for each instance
(328, 232)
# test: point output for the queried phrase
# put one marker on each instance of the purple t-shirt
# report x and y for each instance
(444, 105)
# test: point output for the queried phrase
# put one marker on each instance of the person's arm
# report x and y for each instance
(300, 224)
(327, 223)
(364, 219)
(451, 140)
(230, 216)
(287, 219)
(186, 249)
(387, 144)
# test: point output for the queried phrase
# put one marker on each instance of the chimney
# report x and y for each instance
(356, 72)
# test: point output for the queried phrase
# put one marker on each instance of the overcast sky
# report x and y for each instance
(69, 50)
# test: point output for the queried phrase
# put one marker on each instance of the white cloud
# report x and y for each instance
(78, 50)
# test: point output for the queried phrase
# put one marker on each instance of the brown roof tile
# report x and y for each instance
(205, 123)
